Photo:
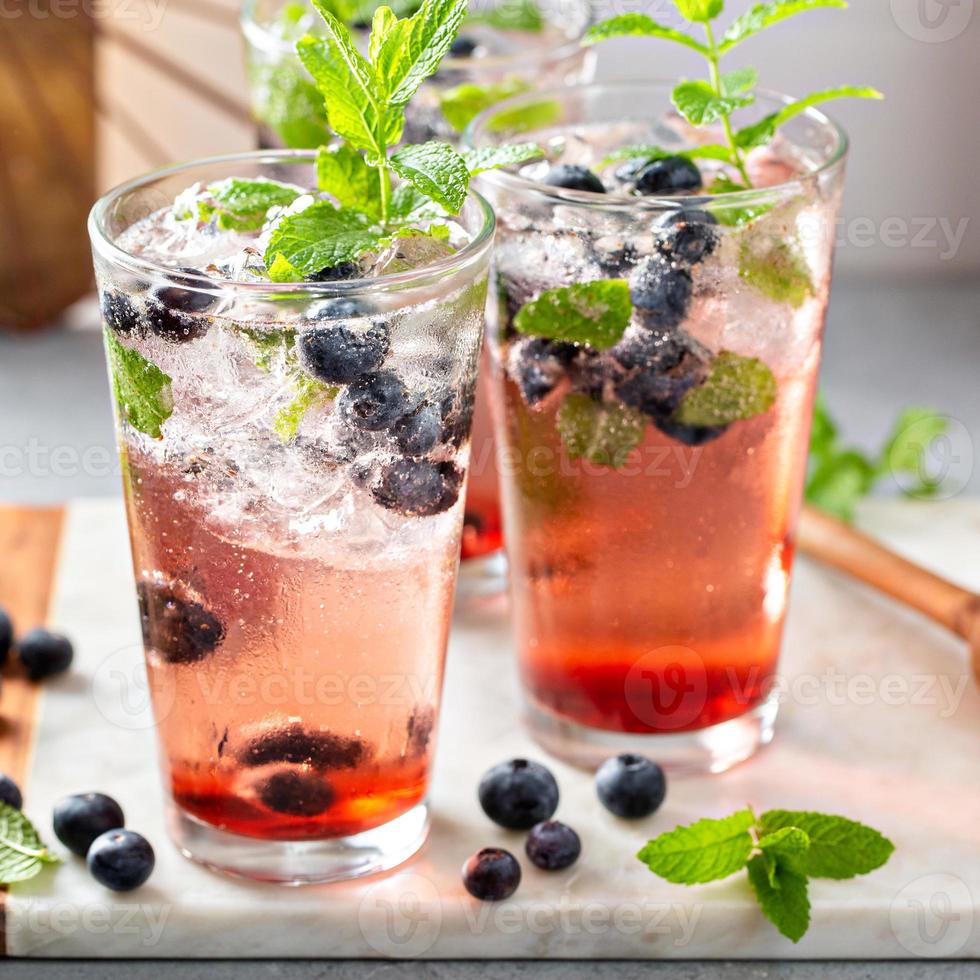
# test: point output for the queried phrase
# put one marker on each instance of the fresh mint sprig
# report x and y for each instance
(22, 852)
(703, 102)
(780, 850)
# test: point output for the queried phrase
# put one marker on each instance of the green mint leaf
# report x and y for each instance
(763, 15)
(319, 237)
(282, 270)
(704, 851)
(310, 393)
(735, 215)
(288, 101)
(348, 86)
(523, 15)
(785, 845)
(777, 269)
(761, 132)
(22, 852)
(737, 388)
(523, 118)
(493, 157)
(242, 205)
(823, 431)
(435, 169)
(839, 847)
(594, 313)
(344, 174)
(738, 81)
(638, 25)
(651, 152)
(838, 481)
(410, 50)
(604, 434)
(410, 206)
(142, 391)
(782, 895)
(907, 446)
(700, 105)
(463, 103)
(699, 11)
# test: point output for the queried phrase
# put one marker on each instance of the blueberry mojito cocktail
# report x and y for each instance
(293, 341)
(662, 279)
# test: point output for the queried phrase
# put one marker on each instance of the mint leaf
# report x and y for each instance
(343, 173)
(242, 204)
(699, 11)
(762, 15)
(737, 388)
(492, 157)
(651, 152)
(435, 169)
(594, 313)
(839, 847)
(463, 103)
(704, 851)
(700, 105)
(786, 844)
(309, 393)
(738, 81)
(22, 852)
(288, 101)
(604, 434)
(319, 237)
(638, 25)
(142, 391)
(777, 269)
(782, 895)
(517, 15)
(838, 481)
(907, 446)
(522, 118)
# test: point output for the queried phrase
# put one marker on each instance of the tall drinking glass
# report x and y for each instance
(295, 557)
(653, 475)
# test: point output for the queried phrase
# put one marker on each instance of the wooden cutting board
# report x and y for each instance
(879, 721)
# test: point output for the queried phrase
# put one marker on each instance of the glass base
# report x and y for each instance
(304, 862)
(484, 576)
(713, 749)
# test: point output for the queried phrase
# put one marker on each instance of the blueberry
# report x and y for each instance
(651, 349)
(81, 817)
(374, 401)
(690, 435)
(457, 415)
(537, 366)
(463, 47)
(661, 290)
(186, 294)
(6, 636)
(296, 794)
(627, 172)
(121, 860)
(574, 178)
(657, 392)
(344, 308)
(44, 653)
(297, 745)
(119, 313)
(175, 312)
(686, 236)
(177, 627)
(491, 875)
(419, 729)
(518, 794)
(336, 273)
(552, 845)
(339, 355)
(670, 175)
(418, 487)
(10, 792)
(418, 432)
(630, 786)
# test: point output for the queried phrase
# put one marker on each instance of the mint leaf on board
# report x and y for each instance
(782, 895)
(319, 237)
(594, 313)
(461, 104)
(493, 157)
(699, 11)
(704, 851)
(787, 844)
(22, 852)
(520, 15)
(604, 434)
(309, 393)
(435, 169)
(142, 391)
(737, 388)
(839, 847)
(701, 105)
(777, 269)
(242, 205)
(763, 15)
(343, 173)
(638, 25)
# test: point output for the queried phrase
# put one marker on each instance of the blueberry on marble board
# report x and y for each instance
(82, 817)
(518, 794)
(492, 874)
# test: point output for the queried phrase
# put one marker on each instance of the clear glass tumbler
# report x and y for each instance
(294, 570)
(652, 483)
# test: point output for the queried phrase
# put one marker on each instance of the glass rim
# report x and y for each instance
(258, 34)
(613, 201)
(105, 247)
